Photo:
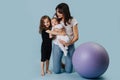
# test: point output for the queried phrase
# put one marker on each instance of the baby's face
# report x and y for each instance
(54, 22)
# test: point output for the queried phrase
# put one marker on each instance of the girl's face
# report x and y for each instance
(60, 15)
(54, 22)
(46, 22)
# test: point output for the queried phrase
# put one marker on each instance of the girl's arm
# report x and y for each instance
(56, 32)
(51, 32)
(75, 38)
(50, 36)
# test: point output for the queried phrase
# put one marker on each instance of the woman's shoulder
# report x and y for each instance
(73, 21)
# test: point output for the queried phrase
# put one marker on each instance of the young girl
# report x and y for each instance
(45, 24)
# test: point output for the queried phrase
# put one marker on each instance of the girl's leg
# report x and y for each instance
(68, 59)
(42, 69)
(47, 67)
(48, 51)
(57, 56)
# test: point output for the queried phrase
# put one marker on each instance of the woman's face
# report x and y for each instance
(46, 22)
(60, 15)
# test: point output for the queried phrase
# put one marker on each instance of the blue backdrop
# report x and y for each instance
(20, 42)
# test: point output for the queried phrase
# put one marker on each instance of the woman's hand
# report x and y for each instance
(64, 43)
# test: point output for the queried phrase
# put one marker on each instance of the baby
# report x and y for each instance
(56, 27)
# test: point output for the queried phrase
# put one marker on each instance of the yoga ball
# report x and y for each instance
(90, 60)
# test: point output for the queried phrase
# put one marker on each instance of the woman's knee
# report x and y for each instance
(68, 70)
(56, 67)
(69, 66)
(56, 71)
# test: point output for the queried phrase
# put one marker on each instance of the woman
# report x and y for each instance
(71, 27)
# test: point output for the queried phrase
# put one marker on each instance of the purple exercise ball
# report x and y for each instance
(90, 60)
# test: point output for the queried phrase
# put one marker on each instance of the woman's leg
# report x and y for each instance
(68, 59)
(57, 56)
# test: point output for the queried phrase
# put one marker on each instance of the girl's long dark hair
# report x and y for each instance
(63, 8)
(42, 26)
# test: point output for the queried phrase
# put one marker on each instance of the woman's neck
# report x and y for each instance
(62, 20)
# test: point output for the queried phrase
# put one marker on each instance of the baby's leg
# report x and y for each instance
(66, 47)
(63, 49)
(66, 39)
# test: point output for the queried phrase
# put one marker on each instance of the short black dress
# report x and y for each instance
(46, 46)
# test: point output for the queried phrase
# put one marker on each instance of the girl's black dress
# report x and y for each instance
(46, 46)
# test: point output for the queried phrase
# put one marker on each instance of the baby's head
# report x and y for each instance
(54, 21)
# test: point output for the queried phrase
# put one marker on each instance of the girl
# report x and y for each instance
(45, 24)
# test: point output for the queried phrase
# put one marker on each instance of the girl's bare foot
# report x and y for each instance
(42, 73)
(49, 72)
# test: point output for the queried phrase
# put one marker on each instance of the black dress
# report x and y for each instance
(46, 46)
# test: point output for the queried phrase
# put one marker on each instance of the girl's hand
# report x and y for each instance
(48, 31)
(64, 43)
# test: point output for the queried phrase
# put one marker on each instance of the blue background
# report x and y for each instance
(20, 42)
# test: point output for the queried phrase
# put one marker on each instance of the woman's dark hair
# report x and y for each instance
(63, 8)
(42, 26)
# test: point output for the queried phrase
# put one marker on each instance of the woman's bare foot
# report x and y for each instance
(49, 72)
(63, 65)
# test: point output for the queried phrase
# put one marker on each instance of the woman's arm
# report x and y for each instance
(75, 38)
(76, 34)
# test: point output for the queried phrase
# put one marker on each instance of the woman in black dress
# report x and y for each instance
(46, 47)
